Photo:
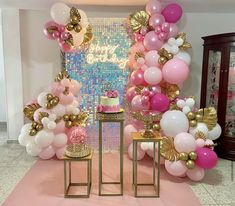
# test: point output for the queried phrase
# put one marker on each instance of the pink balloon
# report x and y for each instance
(137, 78)
(60, 127)
(173, 31)
(56, 88)
(65, 47)
(153, 7)
(66, 99)
(151, 58)
(175, 71)
(60, 152)
(131, 93)
(156, 20)
(137, 104)
(156, 89)
(151, 41)
(200, 142)
(75, 87)
(128, 130)
(172, 13)
(153, 75)
(206, 158)
(144, 67)
(145, 100)
(196, 174)
(45, 31)
(150, 153)
(159, 102)
(47, 153)
(37, 113)
(176, 168)
(64, 35)
(184, 142)
(137, 124)
(140, 152)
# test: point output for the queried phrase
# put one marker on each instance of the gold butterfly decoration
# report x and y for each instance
(138, 20)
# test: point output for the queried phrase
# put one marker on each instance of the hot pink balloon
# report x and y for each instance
(185, 142)
(128, 130)
(151, 58)
(45, 30)
(153, 7)
(137, 104)
(159, 102)
(206, 158)
(176, 168)
(151, 41)
(156, 20)
(60, 152)
(47, 153)
(66, 99)
(137, 78)
(175, 71)
(172, 13)
(60, 127)
(196, 174)
(153, 75)
(173, 30)
(140, 152)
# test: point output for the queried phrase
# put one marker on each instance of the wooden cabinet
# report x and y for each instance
(218, 87)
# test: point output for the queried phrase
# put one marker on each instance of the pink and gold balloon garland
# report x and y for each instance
(70, 27)
(160, 64)
(54, 115)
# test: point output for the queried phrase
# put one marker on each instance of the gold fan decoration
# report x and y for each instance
(30, 109)
(170, 90)
(164, 56)
(88, 35)
(139, 55)
(200, 135)
(167, 149)
(63, 74)
(138, 20)
(186, 44)
(75, 120)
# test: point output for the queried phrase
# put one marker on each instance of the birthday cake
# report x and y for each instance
(109, 103)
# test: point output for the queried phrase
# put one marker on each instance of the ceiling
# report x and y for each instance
(223, 6)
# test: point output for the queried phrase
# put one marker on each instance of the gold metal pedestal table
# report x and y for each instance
(138, 138)
(67, 180)
(110, 118)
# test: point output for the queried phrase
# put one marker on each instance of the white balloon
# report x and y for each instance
(44, 139)
(184, 56)
(52, 117)
(174, 49)
(77, 38)
(171, 41)
(144, 146)
(26, 128)
(76, 111)
(42, 99)
(153, 75)
(215, 132)
(24, 139)
(84, 20)
(69, 108)
(33, 149)
(60, 13)
(45, 121)
(174, 122)
(201, 127)
(190, 102)
(167, 47)
(181, 103)
(51, 125)
(60, 140)
(59, 110)
(179, 41)
(186, 109)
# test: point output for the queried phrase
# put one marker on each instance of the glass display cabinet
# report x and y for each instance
(218, 87)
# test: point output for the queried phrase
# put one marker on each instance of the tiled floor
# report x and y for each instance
(216, 189)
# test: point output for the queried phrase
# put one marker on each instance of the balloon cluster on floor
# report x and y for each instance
(70, 27)
(55, 119)
(160, 64)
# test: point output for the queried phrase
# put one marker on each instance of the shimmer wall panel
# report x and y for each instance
(98, 67)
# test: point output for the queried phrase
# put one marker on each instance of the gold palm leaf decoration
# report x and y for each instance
(200, 135)
(30, 109)
(63, 74)
(185, 45)
(138, 20)
(139, 55)
(88, 35)
(210, 117)
(167, 149)
(171, 90)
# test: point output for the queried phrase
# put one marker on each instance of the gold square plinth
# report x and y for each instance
(138, 138)
(67, 181)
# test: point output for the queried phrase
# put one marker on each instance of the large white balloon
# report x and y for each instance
(24, 139)
(26, 128)
(60, 13)
(174, 122)
(77, 38)
(44, 139)
(59, 110)
(214, 133)
(42, 99)
(60, 140)
(153, 75)
(33, 149)
(184, 56)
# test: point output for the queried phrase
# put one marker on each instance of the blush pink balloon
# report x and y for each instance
(200, 142)
(153, 75)
(185, 142)
(150, 153)
(137, 124)
(128, 130)
(47, 153)
(60, 152)
(151, 58)
(36, 114)
(196, 174)
(55, 88)
(172, 13)
(60, 127)
(65, 47)
(131, 93)
(173, 31)
(140, 152)
(151, 41)
(75, 87)
(137, 78)
(206, 158)
(156, 20)
(176, 168)
(175, 71)
(45, 31)
(137, 104)
(156, 89)
(159, 102)
(153, 7)
(66, 99)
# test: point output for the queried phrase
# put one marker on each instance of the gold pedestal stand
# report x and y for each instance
(110, 117)
(67, 181)
(138, 138)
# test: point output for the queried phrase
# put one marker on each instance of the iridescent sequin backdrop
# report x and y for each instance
(100, 66)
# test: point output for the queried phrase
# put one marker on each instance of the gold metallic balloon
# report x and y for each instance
(57, 98)
(39, 127)
(156, 127)
(77, 28)
(69, 27)
(32, 132)
(48, 105)
(74, 19)
(190, 164)
(191, 116)
(192, 155)
(68, 124)
(199, 117)
(162, 60)
(193, 123)
(72, 117)
(66, 117)
(49, 96)
(34, 125)
(170, 56)
(183, 156)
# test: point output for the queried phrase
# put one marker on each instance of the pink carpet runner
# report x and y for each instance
(43, 185)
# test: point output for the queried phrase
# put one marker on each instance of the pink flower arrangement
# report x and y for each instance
(78, 135)
(112, 94)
